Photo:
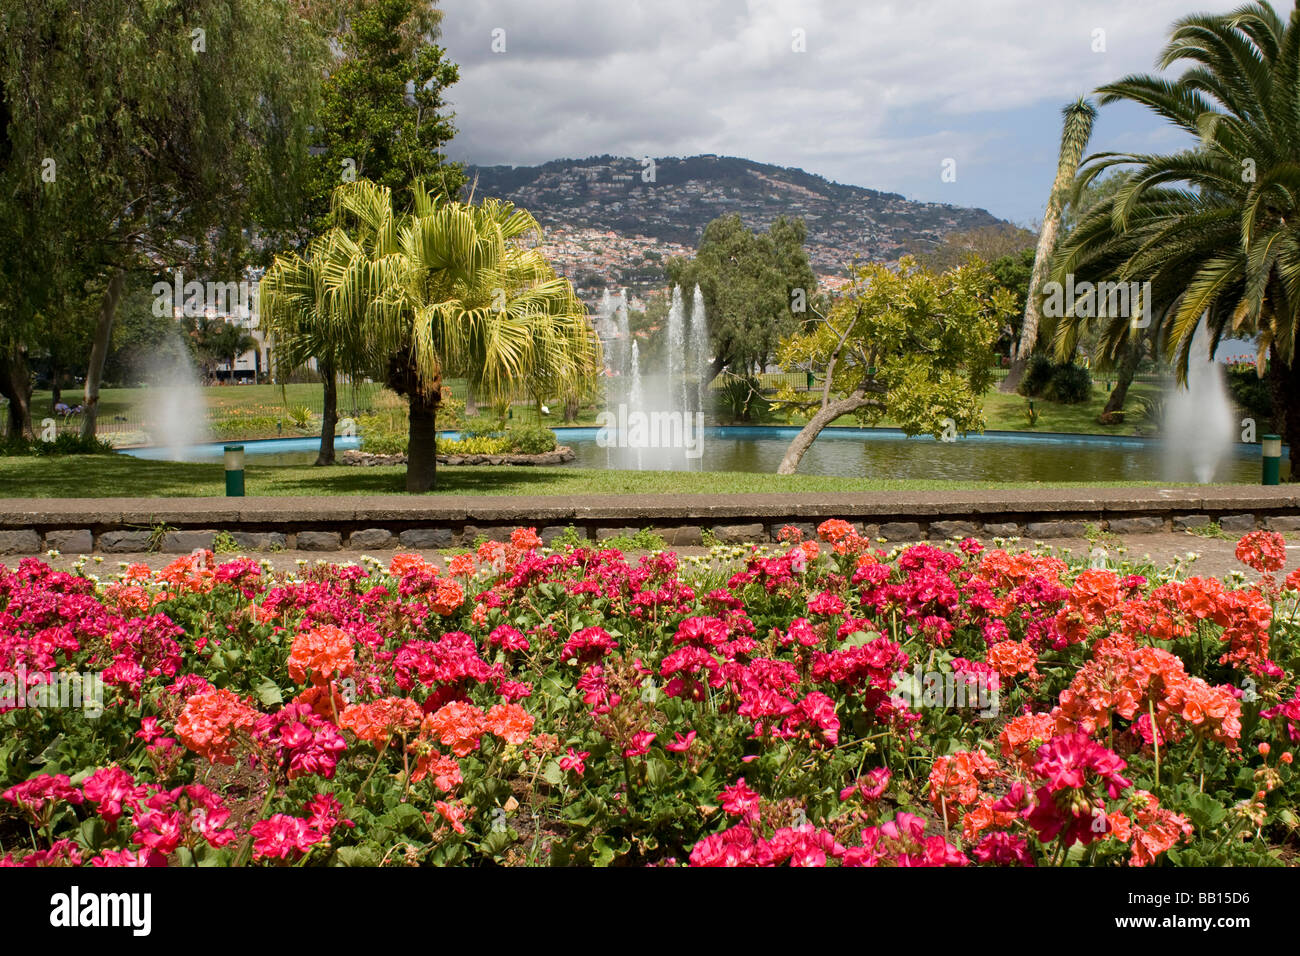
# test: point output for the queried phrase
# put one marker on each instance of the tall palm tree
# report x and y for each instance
(1215, 227)
(298, 314)
(1076, 130)
(454, 289)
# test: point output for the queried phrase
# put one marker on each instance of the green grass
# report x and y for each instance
(249, 411)
(93, 476)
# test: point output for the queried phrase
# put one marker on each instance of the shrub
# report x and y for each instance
(1251, 394)
(474, 445)
(531, 439)
(1070, 385)
(382, 434)
(67, 443)
(1037, 377)
(740, 399)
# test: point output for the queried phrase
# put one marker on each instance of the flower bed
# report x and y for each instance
(817, 703)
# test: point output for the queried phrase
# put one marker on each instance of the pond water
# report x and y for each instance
(865, 452)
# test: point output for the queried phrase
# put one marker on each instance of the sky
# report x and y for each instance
(872, 93)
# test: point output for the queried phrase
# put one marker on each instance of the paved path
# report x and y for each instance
(1216, 556)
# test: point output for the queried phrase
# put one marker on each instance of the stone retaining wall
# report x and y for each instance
(379, 523)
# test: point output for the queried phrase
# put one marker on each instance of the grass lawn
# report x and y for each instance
(252, 411)
(91, 476)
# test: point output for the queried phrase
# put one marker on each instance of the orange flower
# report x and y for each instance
(525, 539)
(1010, 658)
(191, 572)
(210, 722)
(1155, 829)
(834, 530)
(510, 722)
(457, 725)
(324, 699)
(448, 596)
(1023, 735)
(955, 781)
(461, 565)
(379, 720)
(443, 769)
(401, 563)
(321, 654)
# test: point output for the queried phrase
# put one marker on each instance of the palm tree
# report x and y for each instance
(1075, 132)
(454, 289)
(1214, 227)
(298, 314)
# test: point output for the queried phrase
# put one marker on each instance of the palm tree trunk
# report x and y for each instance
(16, 386)
(422, 451)
(1284, 387)
(99, 351)
(330, 415)
(1075, 132)
(1124, 376)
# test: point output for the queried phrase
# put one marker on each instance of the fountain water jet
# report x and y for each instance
(180, 414)
(653, 416)
(1198, 426)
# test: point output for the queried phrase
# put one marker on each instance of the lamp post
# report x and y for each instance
(234, 471)
(1271, 446)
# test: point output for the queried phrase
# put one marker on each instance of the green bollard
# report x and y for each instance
(1272, 453)
(234, 471)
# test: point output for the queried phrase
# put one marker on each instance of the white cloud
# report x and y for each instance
(884, 91)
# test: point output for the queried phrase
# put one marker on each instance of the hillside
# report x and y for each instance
(607, 227)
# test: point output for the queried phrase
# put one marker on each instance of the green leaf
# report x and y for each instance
(365, 854)
(269, 693)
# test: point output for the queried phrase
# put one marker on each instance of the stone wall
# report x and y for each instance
(108, 525)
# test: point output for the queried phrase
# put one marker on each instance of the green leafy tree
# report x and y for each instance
(1076, 130)
(454, 289)
(911, 345)
(1214, 227)
(141, 133)
(757, 288)
(298, 311)
(383, 113)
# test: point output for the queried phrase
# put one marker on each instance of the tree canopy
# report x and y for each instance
(910, 345)
(756, 285)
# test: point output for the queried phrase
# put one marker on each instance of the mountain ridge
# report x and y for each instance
(669, 200)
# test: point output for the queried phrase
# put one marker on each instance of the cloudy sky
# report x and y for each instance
(881, 94)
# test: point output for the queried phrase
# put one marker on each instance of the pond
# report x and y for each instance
(866, 452)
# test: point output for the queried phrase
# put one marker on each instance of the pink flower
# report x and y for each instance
(640, 744)
(740, 801)
(574, 761)
(681, 744)
(282, 837)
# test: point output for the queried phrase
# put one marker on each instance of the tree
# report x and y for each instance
(299, 314)
(383, 113)
(1013, 272)
(911, 345)
(1075, 133)
(383, 117)
(453, 289)
(1215, 227)
(756, 288)
(131, 138)
(214, 341)
(989, 243)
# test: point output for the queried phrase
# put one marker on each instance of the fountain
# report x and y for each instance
(653, 417)
(179, 412)
(1199, 429)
